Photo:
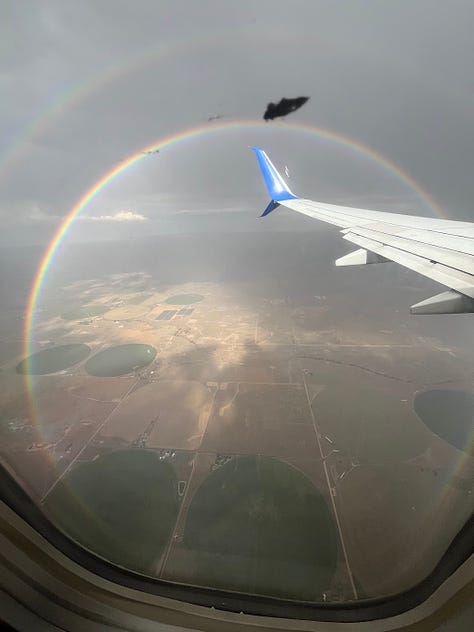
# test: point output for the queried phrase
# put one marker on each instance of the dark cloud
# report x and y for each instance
(87, 84)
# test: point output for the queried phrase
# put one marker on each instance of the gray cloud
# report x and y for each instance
(88, 84)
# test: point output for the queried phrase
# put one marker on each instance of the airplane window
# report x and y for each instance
(195, 392)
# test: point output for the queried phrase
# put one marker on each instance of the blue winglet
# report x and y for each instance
(271, 207)
(276, 186)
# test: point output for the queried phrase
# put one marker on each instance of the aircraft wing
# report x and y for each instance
(442, 250)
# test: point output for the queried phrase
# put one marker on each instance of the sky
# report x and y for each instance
(87, 84)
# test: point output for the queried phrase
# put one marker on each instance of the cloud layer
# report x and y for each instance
(119, 216)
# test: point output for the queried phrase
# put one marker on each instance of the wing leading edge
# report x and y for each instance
(442, 250)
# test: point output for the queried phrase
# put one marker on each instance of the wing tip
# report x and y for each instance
(276, 186)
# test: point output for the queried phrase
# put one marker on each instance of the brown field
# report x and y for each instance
(176, 411)
(251, 419)
(401, 504)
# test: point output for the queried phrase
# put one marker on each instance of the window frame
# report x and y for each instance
(458, 556)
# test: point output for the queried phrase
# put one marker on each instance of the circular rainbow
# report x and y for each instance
(109, 176)
(193, 132)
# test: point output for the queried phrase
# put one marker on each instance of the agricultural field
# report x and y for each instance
(278, 433)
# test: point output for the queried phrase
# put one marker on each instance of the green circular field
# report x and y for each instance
(184, 299)
(121, 506)
(53, 359)
(449, 414)
(88, 311)
(120, 360)
(258, 525)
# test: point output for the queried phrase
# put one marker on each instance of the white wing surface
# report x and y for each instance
(442, 250)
